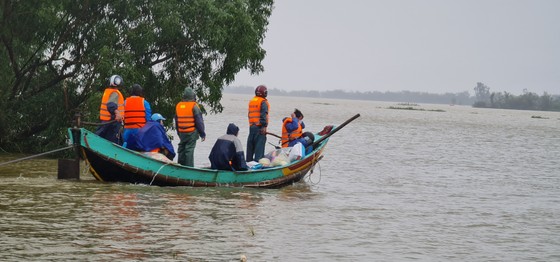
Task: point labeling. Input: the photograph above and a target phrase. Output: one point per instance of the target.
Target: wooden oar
(333, 131)
(268, 133)
(272, 134)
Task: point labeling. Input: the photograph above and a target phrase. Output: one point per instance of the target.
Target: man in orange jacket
(111, 110)
(137, 112)
(258, 122)
(190, 126)
(112, 94)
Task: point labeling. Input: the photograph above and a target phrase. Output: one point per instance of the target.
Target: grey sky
(435, 46)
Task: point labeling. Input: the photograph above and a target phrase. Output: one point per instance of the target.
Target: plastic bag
(278, 157)
(296, 153)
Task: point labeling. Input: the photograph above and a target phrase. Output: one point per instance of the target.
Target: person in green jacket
(190, 126)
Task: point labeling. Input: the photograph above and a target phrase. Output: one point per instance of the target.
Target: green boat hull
(110, 162)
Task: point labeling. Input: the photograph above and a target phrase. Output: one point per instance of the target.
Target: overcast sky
(434, 46)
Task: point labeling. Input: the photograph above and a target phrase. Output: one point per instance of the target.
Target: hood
(188, 94)
(137, 90)
(232, 129)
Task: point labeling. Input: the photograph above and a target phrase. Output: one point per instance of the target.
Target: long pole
(38, 155)
(334, 131)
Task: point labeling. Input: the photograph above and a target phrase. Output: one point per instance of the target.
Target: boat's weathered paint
(113, 163)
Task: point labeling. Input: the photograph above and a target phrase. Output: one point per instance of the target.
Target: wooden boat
(113, 163)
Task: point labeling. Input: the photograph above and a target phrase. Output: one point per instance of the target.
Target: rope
(86, 168)
(314, 163)
(320, 176)
(99, 124)
(154, 178)
(38, 155)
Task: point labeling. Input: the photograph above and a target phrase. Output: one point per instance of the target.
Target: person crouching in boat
(227, 153)
(292, 128)
(152, 137)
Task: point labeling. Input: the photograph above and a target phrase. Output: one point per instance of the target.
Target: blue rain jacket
(149, 137)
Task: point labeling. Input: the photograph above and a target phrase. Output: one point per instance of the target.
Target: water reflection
(155, 221)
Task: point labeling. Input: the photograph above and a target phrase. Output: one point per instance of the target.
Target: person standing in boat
(258, 122)
(292, 128)
(137, 112)
(111, 118)
(227, 153)
(152, 137)
(190, 126)
(112, 94)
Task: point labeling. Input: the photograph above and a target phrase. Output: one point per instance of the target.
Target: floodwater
(464, 184)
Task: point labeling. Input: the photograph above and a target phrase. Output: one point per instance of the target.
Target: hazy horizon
(432, 46)
(471, 92)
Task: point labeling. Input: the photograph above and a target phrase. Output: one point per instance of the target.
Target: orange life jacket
(104, 114)
(289, 136)
(185, 116)
(134, 112)
(255, 110)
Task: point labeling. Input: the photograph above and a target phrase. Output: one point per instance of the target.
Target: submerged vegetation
(418, 109)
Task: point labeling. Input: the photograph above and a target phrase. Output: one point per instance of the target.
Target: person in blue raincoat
(152, 137)
(227, 152)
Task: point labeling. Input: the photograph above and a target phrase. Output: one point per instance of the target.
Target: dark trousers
(255, 144)
(185, 151)
(111, 131)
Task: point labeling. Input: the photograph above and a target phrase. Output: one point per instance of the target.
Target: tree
(56, 54)
(545, 102)
(482, 93)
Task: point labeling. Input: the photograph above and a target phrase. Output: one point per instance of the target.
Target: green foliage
(526, 101)
(57, 54)
(482, 93)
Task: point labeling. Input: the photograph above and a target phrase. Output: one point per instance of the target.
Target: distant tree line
(482, 98)
(526, 101)
(462, 98)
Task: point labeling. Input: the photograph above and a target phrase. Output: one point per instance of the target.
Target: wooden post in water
(68, 169)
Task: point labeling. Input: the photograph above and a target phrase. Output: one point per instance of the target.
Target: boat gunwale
(308, 163)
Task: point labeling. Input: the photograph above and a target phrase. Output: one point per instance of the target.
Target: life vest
(289, 136)
(185, 116)
(255, 110)
(134, 112)
(104, 114)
